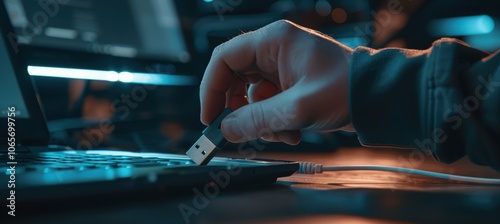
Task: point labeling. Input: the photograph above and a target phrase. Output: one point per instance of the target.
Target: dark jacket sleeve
(444, 100)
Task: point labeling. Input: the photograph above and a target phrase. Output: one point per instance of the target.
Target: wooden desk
(376, 196)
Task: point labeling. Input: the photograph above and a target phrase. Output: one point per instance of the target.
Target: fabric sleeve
(444, 100)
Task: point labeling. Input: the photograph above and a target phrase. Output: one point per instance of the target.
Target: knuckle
(281, 28)
(281, 32)
(283, 24)
(218, 50)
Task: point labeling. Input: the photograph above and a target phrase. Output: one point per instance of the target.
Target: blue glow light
(125, 77)
(113, 76)
(73, 73)
(486, 42)
(208, 1)
(462, 26)
(353, 42)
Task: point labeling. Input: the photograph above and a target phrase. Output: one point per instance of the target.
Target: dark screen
(123, 28)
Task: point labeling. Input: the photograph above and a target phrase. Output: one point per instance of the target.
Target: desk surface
(334, 197)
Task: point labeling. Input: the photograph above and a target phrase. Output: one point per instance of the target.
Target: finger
(255, 120)
(288, 137)
(251, 53)
(262, 90)
(236, 96)
(219, 74)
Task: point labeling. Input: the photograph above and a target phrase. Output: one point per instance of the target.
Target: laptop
(34, 171)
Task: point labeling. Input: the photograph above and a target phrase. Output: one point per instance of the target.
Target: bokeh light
(339, 15)
(323, 7)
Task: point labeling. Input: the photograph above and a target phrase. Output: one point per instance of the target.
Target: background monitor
(122, 29)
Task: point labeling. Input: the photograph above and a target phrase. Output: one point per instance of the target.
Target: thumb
(274, 119)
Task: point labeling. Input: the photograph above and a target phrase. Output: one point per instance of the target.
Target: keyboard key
(141, 164)
(61, 168)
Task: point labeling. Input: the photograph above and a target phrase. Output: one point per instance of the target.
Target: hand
(298, 81)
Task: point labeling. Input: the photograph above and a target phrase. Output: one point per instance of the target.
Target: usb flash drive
(210, 141)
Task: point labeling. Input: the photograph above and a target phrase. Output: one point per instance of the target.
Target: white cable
(312, 168)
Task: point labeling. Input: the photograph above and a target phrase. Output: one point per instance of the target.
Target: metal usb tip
(210, 141)
(202, 151)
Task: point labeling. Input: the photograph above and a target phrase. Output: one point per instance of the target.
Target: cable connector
(310, 168)
(210, 142)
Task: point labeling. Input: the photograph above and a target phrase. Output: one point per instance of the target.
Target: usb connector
(210, 142)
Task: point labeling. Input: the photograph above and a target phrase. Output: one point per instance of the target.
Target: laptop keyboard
(56, 161)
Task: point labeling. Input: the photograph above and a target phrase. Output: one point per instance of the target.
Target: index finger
(237, 55)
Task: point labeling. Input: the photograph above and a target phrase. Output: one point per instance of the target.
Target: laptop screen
(10, 86)
(16, 90)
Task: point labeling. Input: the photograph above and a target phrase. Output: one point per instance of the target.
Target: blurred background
(125, 73)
